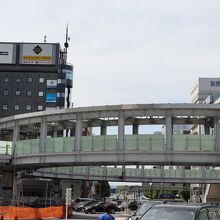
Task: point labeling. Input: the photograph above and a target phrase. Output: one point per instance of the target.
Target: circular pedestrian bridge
(65, 137)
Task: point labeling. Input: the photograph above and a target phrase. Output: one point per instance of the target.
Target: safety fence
(141, 142)
(11, 212)
(209, 173)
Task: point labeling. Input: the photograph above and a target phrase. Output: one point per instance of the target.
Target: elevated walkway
(35, 142)
(179, 175)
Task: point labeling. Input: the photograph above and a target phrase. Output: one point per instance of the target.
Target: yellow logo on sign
(37, 58)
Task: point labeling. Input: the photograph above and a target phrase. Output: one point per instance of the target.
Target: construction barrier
(27, 213)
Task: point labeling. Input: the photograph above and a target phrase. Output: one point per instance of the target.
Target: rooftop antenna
(45, 38)
(66, 45)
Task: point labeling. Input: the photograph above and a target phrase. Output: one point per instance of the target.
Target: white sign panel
(6, 53)
(209, 84)
(37, 54)
(51, 84)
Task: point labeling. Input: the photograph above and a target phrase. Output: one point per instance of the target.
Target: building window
(41, 80)
(5, 92)
(60, 94)
(40, 93)
(29, 79)
(6, 79)
(40, 107)
(61, 81)
(18, 80)
(29, 93)
(17, 107)
(17, 92)
(28, 107)
(5, 107)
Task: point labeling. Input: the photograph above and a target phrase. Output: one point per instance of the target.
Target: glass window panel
(193, 142)
(157, 141)
(68, 144)
(99, 143)
(29, 93)
(41, 80)
(130, 142)
(110, 142)
(17, 107)
(6, 92)
(179, 142)
(144, 141)
(86, 143)
(207, 142)
(29, 79)
(49, 145)
(17, 92)
(58, 144)
(5, 107)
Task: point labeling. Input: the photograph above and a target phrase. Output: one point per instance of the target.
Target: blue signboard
(51, 97)
(167, 196)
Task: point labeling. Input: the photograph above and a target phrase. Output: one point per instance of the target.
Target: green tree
(102, 189)
(155, 193)
(185, 194)
(150, 193)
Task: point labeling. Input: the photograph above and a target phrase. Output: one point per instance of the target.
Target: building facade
(34, 77)
(207, 90)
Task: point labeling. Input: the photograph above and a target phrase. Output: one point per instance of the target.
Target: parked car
(83, 200)
(41, 203)
(84, 209)
(123, 205)
(145, 206)
(133, 205)
(183, 211)
(99, 207)
(80, 206)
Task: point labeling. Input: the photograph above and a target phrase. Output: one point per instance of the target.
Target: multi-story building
(33, 77)
(207, 90)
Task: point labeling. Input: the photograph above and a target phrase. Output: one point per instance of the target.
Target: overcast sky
(124, 51)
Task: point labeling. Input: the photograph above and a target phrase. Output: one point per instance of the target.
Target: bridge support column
(121, 131)
(103, 129)
(6, 187)
(54, 132)
(15, 137)
(105, 172)
(142, 173)
(162, 173)
(169, 132)
(203, 172)
(135, 127)
(207, 129)
(135, 132)
(182, 172)
(217, 133)
(78, 132)
(123, 174)
(43, 135)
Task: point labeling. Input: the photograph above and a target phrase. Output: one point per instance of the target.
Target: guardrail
(142, 143)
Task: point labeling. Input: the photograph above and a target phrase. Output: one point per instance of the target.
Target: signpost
(68, 199)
